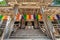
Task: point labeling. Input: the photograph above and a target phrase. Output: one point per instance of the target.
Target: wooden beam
(32, 7)
(52, 10)
(6, 7)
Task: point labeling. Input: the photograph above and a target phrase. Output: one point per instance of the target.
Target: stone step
(28, 39)
(28, 34)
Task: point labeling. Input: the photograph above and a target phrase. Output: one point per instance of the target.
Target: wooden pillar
(51, 28)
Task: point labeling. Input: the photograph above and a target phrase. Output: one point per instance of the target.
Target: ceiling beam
(6, 7)
(32, 7)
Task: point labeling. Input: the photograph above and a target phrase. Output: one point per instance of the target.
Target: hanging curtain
(18, 17)
(39, 17)
(58, 16)
(1, 16)
(55, 17)
(5, 18)
(27, 18)
(51, 18)
(32, 17)
(24, 16)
